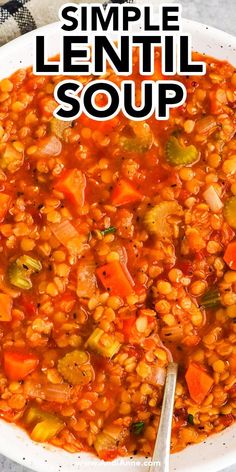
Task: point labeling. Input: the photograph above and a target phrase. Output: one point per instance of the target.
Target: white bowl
(218, 451)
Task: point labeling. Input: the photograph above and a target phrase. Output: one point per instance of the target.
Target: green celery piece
(18, 277)
(229, 211)
(211, 299)
(94, 344)
(176, 155)
(29, 263)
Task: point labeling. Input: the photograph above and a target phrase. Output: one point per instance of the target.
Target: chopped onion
(33, 389)
(50, 146)
(206, 125)
(158, 375)
(212, 199)
(121, 251)
(59, 393)
(64, 231)
(86, 279)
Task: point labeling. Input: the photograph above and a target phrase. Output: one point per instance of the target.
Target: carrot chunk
(125, 193)
(72, 184)
(5, 202)
(216, 107)
(199, 382)
(18, 365)
(5, 307)
(230, 255)
(232, 363)
(128, 324)
(116, 279)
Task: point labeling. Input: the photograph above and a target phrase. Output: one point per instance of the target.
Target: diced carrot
(128, 324)
(5, 307)
(215, 106)
(5, 202)
(18, 365)
(108, 455)
(227, 420)
(230, 255)
(28, 305)
(199, 382)
(139, 288)
(116, 279)
(232, 391)
(125, 193)
(179, 423)
(232, 363)
(195, 240)
(72, 184)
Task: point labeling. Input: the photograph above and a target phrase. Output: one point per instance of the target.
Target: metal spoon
(161, 454)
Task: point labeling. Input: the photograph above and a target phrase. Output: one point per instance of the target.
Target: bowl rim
(186, 23)
(16, 443)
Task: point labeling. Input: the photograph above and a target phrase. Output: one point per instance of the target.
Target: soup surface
(117, 254)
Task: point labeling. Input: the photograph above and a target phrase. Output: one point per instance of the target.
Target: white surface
(219, 450)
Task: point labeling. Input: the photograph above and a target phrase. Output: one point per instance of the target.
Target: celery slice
(109, 439)
(47, 429)
(28, 262)
(176, 155)
(19, 277)
(140, 139)
(109, 350)
(46, 425)
(34, 414)
(156, 219)
(104, 443)
(230, 211)
(75, 368)
(19, 272)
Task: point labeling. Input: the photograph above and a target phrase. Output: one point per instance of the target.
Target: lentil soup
(118, 253)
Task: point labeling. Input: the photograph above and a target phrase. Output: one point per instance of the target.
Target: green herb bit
(137, 428)
(109, 230)
(211, 299)
(190, 419)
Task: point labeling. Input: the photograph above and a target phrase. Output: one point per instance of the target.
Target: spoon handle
(161, 454)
